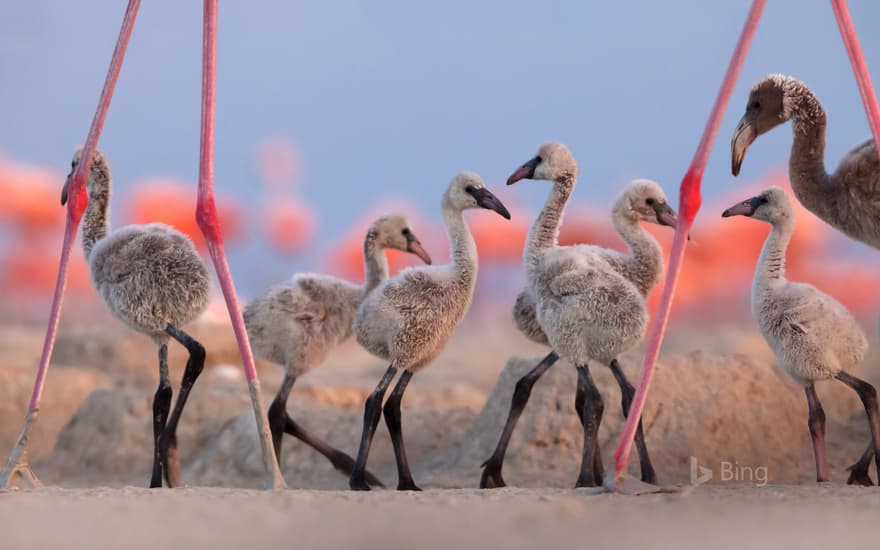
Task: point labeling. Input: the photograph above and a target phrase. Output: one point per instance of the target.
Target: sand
(725, 408)
(717, 517)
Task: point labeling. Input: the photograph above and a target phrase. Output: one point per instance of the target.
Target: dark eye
(650, 201)
(755, 105)
(406, 232)
(469, 189)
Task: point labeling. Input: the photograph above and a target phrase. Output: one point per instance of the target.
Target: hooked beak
(745, 134)
(744, 208)
(65, 189)
(665, 214)
(526, 171)
(413, 246)
(485, 199)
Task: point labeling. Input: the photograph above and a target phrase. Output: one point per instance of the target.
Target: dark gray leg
(280, 423)
(392, 420)
(491, 477)
(372, 412)
(868, 395)
(168, 437)
(627, 391)
(817, 432)
(580, 401)
(277, 414)
(161, 406)
(858, 472)
(589, 405)
(340, 460)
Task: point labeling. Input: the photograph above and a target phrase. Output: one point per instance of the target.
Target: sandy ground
(725, 407)
(771, 517)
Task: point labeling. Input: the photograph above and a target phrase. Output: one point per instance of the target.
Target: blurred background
(332, 113)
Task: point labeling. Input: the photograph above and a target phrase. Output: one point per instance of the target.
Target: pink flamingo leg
(77, 199)
(863, 77)
(206, 216)
(689, 204)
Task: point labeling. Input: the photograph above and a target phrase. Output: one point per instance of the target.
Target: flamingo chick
(409, 318)
(152, 279)
(814, 337)
(641, 200)
(297, 323)
(589, 301)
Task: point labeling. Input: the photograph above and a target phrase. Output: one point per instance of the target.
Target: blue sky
(387, 100)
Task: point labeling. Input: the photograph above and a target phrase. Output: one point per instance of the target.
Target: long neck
(770, 271)
(807, 161)
(644, 264)
(375, 261)
(544, 233)
(96, 220)
(462, 245)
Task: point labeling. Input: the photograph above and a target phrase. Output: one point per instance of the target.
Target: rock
(65, 390)
(110, 438)
(232, 457)
(732, 415)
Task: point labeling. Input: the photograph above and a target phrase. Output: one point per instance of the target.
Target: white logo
(730, 471)
(699, 474)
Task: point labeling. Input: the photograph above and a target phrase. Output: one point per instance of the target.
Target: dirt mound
(729, 413)
(66, 389)
(232, 457)
(132, 358)
(732, 414)
(109, 440)
(340, 396)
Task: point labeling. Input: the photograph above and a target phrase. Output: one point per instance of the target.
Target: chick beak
(413, 246)
(744, 208)
(65, 189)
(526, 171)
(665, 215)
(485, 199)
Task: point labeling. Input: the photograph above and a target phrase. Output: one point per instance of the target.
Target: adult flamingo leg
(77, 200)
(206, 217)
(860, 69)
(689, 203)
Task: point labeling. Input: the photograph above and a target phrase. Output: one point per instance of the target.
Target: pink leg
(863, 77)
(206, 216)
(18, 463)
(689, 203)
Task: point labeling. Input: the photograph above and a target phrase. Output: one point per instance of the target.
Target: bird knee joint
(869, 393)
(162, 396)
(816, 421)
(373, 400)
(522, 391)
(276, 411)
(197, 352)
(391, 408)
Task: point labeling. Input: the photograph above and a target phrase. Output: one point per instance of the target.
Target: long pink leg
(689, 203)
(863, 77)
(206, 216)
(77, 201)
